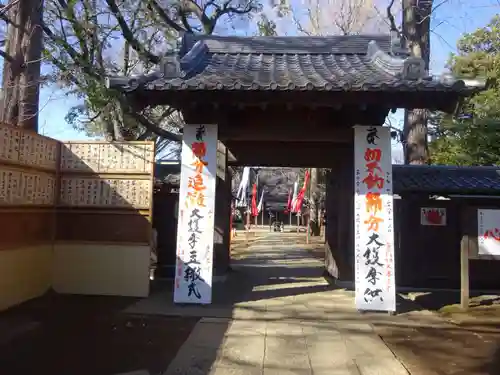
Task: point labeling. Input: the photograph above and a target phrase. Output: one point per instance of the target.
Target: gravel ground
(453, 350)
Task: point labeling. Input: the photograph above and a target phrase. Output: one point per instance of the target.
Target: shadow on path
(276, 313)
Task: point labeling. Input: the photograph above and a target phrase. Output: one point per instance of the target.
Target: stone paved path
(282, 317)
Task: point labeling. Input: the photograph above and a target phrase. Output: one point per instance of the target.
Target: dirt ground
(453, 341)
(484, 308)
(82, 335)
(452, 350)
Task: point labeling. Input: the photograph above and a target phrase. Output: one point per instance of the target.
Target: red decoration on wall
(433, 216)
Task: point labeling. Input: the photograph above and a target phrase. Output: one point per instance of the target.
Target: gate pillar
(339, 244)
(222, 213)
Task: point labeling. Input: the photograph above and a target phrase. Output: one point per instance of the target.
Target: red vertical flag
(254, 211)
(289, 204)
(300, 196)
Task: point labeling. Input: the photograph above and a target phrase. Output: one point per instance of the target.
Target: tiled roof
(446, 179)
(336, 63)
(168, 173)
(339, 44)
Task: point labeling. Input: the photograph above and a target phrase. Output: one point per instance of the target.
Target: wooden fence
(106, 192)
(65, 210)
(28, 175)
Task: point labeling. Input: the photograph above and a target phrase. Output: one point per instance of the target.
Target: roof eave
(477, 84)
(444, 192)
(439, 100)
(466, 86)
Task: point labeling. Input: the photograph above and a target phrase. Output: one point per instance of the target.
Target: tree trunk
(21, 76)
(314, 227)
(416, 29)
(12, 68)
(32, 45)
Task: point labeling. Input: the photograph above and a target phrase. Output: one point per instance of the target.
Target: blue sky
(450, 20)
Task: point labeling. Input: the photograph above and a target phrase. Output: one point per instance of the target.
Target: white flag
(295, 192)
(261, 201)
(241, 196)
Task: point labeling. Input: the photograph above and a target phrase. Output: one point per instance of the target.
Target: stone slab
(287, 321)
(380, 366)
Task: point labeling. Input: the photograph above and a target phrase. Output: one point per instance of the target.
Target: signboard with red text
(488, 232)
(373, 215)
(195, 228)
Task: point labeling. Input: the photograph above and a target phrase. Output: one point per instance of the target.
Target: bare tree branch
(129, 36)
(154, 128)
(154, 7)
(6, 56)
(330, 17)
(5, 8)
(390, 16)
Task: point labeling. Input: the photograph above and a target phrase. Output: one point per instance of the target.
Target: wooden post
(323, 225)
(307, 229)
(231, 227)
(308, 220)
(247, 233)
(464, 272)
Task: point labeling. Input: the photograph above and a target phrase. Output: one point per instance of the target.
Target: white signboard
(373, 215)
(488, 232)
(195, 230)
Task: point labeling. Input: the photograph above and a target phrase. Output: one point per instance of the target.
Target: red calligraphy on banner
(196, 184)
(198, 165)
(196, 198)
(373, 222)
(389, 262)
(373, 180)
(199, 149)
(373, 202)
(493, 234)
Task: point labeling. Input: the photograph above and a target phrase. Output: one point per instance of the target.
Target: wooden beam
(183, 99)
(286, 154)
(263, 132)
(284, 116)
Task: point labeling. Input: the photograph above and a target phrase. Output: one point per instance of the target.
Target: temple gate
(291, 101)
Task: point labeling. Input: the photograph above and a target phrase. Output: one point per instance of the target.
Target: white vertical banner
(195, 229)
(373, 215)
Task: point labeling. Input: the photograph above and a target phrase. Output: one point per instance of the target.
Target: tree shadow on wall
(101, 246)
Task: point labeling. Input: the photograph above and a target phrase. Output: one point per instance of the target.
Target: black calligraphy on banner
(371, 294)
(373, 275)
(372, 135)
(192, 269)
(200, 133)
